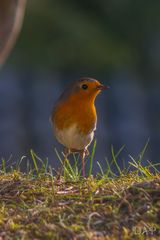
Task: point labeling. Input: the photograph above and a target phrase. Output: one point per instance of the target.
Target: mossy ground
(41, 207)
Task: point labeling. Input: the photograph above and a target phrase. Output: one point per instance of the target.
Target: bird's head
(88, 88)
(84, 89)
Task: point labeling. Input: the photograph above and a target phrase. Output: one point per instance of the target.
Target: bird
(74, 117)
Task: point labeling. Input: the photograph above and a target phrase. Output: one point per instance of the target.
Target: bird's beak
(102, 87)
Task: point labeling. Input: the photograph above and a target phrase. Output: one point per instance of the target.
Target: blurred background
(116, 42)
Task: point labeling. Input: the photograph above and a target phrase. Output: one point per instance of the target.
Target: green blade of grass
(92, 156)
(141, 155)
(3, 165)
(59, 158)
(117, 154)
(109, 171)
(33, 155)
(115, 160)
(154, 166)
(100, 167)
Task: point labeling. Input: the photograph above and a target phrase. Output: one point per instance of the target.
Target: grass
(35, 205)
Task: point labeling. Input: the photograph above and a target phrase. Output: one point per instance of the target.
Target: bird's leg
(84, 153)
(66, 154)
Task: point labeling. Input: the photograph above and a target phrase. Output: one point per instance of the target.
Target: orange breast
(75, 111)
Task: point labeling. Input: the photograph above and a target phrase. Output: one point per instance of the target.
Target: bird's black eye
(84, 86)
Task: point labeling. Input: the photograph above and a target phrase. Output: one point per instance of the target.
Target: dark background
(116, 42)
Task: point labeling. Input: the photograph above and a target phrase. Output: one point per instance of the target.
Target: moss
(126, 207)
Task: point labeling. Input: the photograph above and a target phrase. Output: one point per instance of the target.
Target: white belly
(72, 138)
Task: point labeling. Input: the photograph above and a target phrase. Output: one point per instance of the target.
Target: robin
(74, 116)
